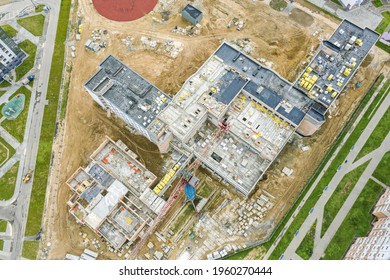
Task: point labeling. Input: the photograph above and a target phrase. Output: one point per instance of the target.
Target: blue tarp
(190, 192)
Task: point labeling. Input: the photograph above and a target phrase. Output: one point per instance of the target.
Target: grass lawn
(183, 217)
(377, 3)
(305, 249)
(30, 249)
(37, 202)
(382, 170)
(7, 182)
(205, 191)
(337, 2)
(384, 23)
(4, 84)
(28, 63)
(6, 151)
(339, 196)
(3, 228)
(9, 30)
(2, 92)
(278, 5)
(383, 46)
(377, 136)
(356, 224)
(313, 7)
(317, 192)
(39, 8)
(17, 127)
(33, 24)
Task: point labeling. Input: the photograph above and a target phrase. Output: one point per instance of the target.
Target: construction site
(208, 137)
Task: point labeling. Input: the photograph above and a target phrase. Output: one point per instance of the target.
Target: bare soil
(275, 37)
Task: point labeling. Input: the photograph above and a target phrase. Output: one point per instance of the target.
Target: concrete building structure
(263, 109)
(192, 14)
(331, 69)
(376, 246)
(112, 195)
(10, 54)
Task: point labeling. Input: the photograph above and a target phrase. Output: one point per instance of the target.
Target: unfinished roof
(106, 195)
(266, 85)
(126, 90)
(192, 11)
(335, 62)
(230, 157)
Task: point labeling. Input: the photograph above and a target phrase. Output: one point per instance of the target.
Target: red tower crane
(224, 126)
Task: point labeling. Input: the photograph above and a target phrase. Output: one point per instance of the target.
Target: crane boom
(192, 168)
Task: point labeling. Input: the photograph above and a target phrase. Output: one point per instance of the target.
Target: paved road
(318, 208)
(322, 244)
(22, 195)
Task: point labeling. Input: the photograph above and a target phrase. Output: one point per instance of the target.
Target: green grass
(183, 218)
(17, 127)
(239, 256)
(382, 170)
(2, 92)
(205, 191)
(3, 228)
(356, 223)
(384, 23)
(11, 32)
(383, 46)
(339, 196)
(305, 249)
(65, 92)
(337, 2)
(3, 225)
(377, 3)
(28, 63)
(311, 6)
(30, 249)
(7, 183)
(34, 220)
(39, 8)
(377, 136)
(317, 192)
(278, 5)
(6, 151)
(33, 24)
(4, 84)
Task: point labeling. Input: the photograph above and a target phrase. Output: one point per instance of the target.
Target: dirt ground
(275, 36)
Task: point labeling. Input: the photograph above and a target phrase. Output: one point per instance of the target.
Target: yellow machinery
(161, 185)
(27, 177)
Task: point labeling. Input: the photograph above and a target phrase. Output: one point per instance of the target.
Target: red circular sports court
(124, 10)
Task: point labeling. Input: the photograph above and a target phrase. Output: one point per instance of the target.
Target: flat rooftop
(126, 90)
(335, 62)
(266, 85)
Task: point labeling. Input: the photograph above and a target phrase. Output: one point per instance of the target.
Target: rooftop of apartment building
(108, 194)
(335, 62)
(9, 42)
(128, 91)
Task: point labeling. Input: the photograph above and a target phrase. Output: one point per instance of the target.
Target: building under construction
(112, 195)
(261, 109)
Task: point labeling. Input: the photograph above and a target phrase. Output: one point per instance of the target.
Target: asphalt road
(20, 202)
(320, 244)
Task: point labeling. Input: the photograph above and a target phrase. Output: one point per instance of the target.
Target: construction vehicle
(27, 80)
(186, 176)
(27, 177)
